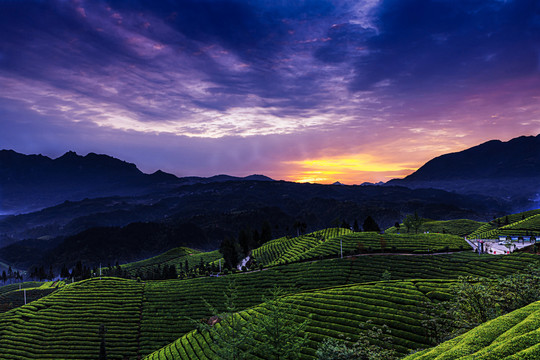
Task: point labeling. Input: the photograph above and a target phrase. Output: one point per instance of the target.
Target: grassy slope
(491, 231)
(176, 257)
(308, 247)
(12, 296)
(460, 227)
(513, 336)
(143, 317)
(335, 313)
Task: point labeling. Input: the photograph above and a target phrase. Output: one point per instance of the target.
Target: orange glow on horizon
(349, 169)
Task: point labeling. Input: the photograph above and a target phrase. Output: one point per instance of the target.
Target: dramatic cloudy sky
(298, 90)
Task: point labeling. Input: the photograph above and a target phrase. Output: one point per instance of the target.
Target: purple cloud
(204, 87)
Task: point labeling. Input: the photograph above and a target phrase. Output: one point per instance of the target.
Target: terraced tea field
(143, 317)
(280, 251)
(512, 336)
(12, 296)
(460, 227)
(336, 312)
(491, 230)
(176, 257)
(283, 251)
(527, 226)
(64, 325)
(12, 287)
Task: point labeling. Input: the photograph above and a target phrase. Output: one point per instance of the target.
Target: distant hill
(505, 169)
(33, 182)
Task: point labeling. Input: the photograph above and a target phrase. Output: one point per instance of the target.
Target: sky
(317, 91)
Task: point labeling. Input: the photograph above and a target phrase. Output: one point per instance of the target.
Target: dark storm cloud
(452, 43)
(280, 80)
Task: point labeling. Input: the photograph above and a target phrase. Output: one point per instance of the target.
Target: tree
(365, 348)
(300, 227)
(280, 335)
(356, 227)
(413, 222)
(266, 233)
(245, 241)
(479, 300)
(231, 334)
(102, 349)
(230, 249)
(371, 225)
(397, 226)
(4, 276)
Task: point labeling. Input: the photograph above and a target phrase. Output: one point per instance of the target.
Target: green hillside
(337, 312)
(12, 287)
(176, 257)
(460, 227)
(524, 223)
(284, 250)
(513, 336)
(143, 317)
(12, 296)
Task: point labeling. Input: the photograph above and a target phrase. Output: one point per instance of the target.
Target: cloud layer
(199, 87)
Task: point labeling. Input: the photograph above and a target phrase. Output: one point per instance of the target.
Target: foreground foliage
(512, 336)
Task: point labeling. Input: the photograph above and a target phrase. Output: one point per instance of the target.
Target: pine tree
(232, 335)
(266, 233)
(280, 335)
(230, 249)
(244, 240)
(371, 225)
(356, 227)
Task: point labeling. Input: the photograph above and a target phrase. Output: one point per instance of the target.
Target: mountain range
(509, 170)
(33, 182)
(102, 209)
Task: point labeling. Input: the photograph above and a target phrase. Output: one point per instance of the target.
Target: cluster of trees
(276, 334)
(279, 335)
(11, 276)
(477, 300)
(411, 222)
(366, 348)
(369, 225)
(236, 249)
(41, 274)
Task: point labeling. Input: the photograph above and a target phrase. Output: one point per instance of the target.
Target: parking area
(498, 247)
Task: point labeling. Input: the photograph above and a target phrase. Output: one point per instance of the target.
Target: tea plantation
(512, 336)
(177, 257)
(335, 313)
(283, 251)
(142, 317)
(525, 223)
(460, 227)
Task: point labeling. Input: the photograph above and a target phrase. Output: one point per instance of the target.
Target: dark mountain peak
(510, 168)
(519, 157)
(258, 177)
(31, 182)
(70, 155)
(163, 176)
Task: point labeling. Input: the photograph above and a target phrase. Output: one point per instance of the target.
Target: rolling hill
(511, 336)
(142, 317)
(505, 169)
